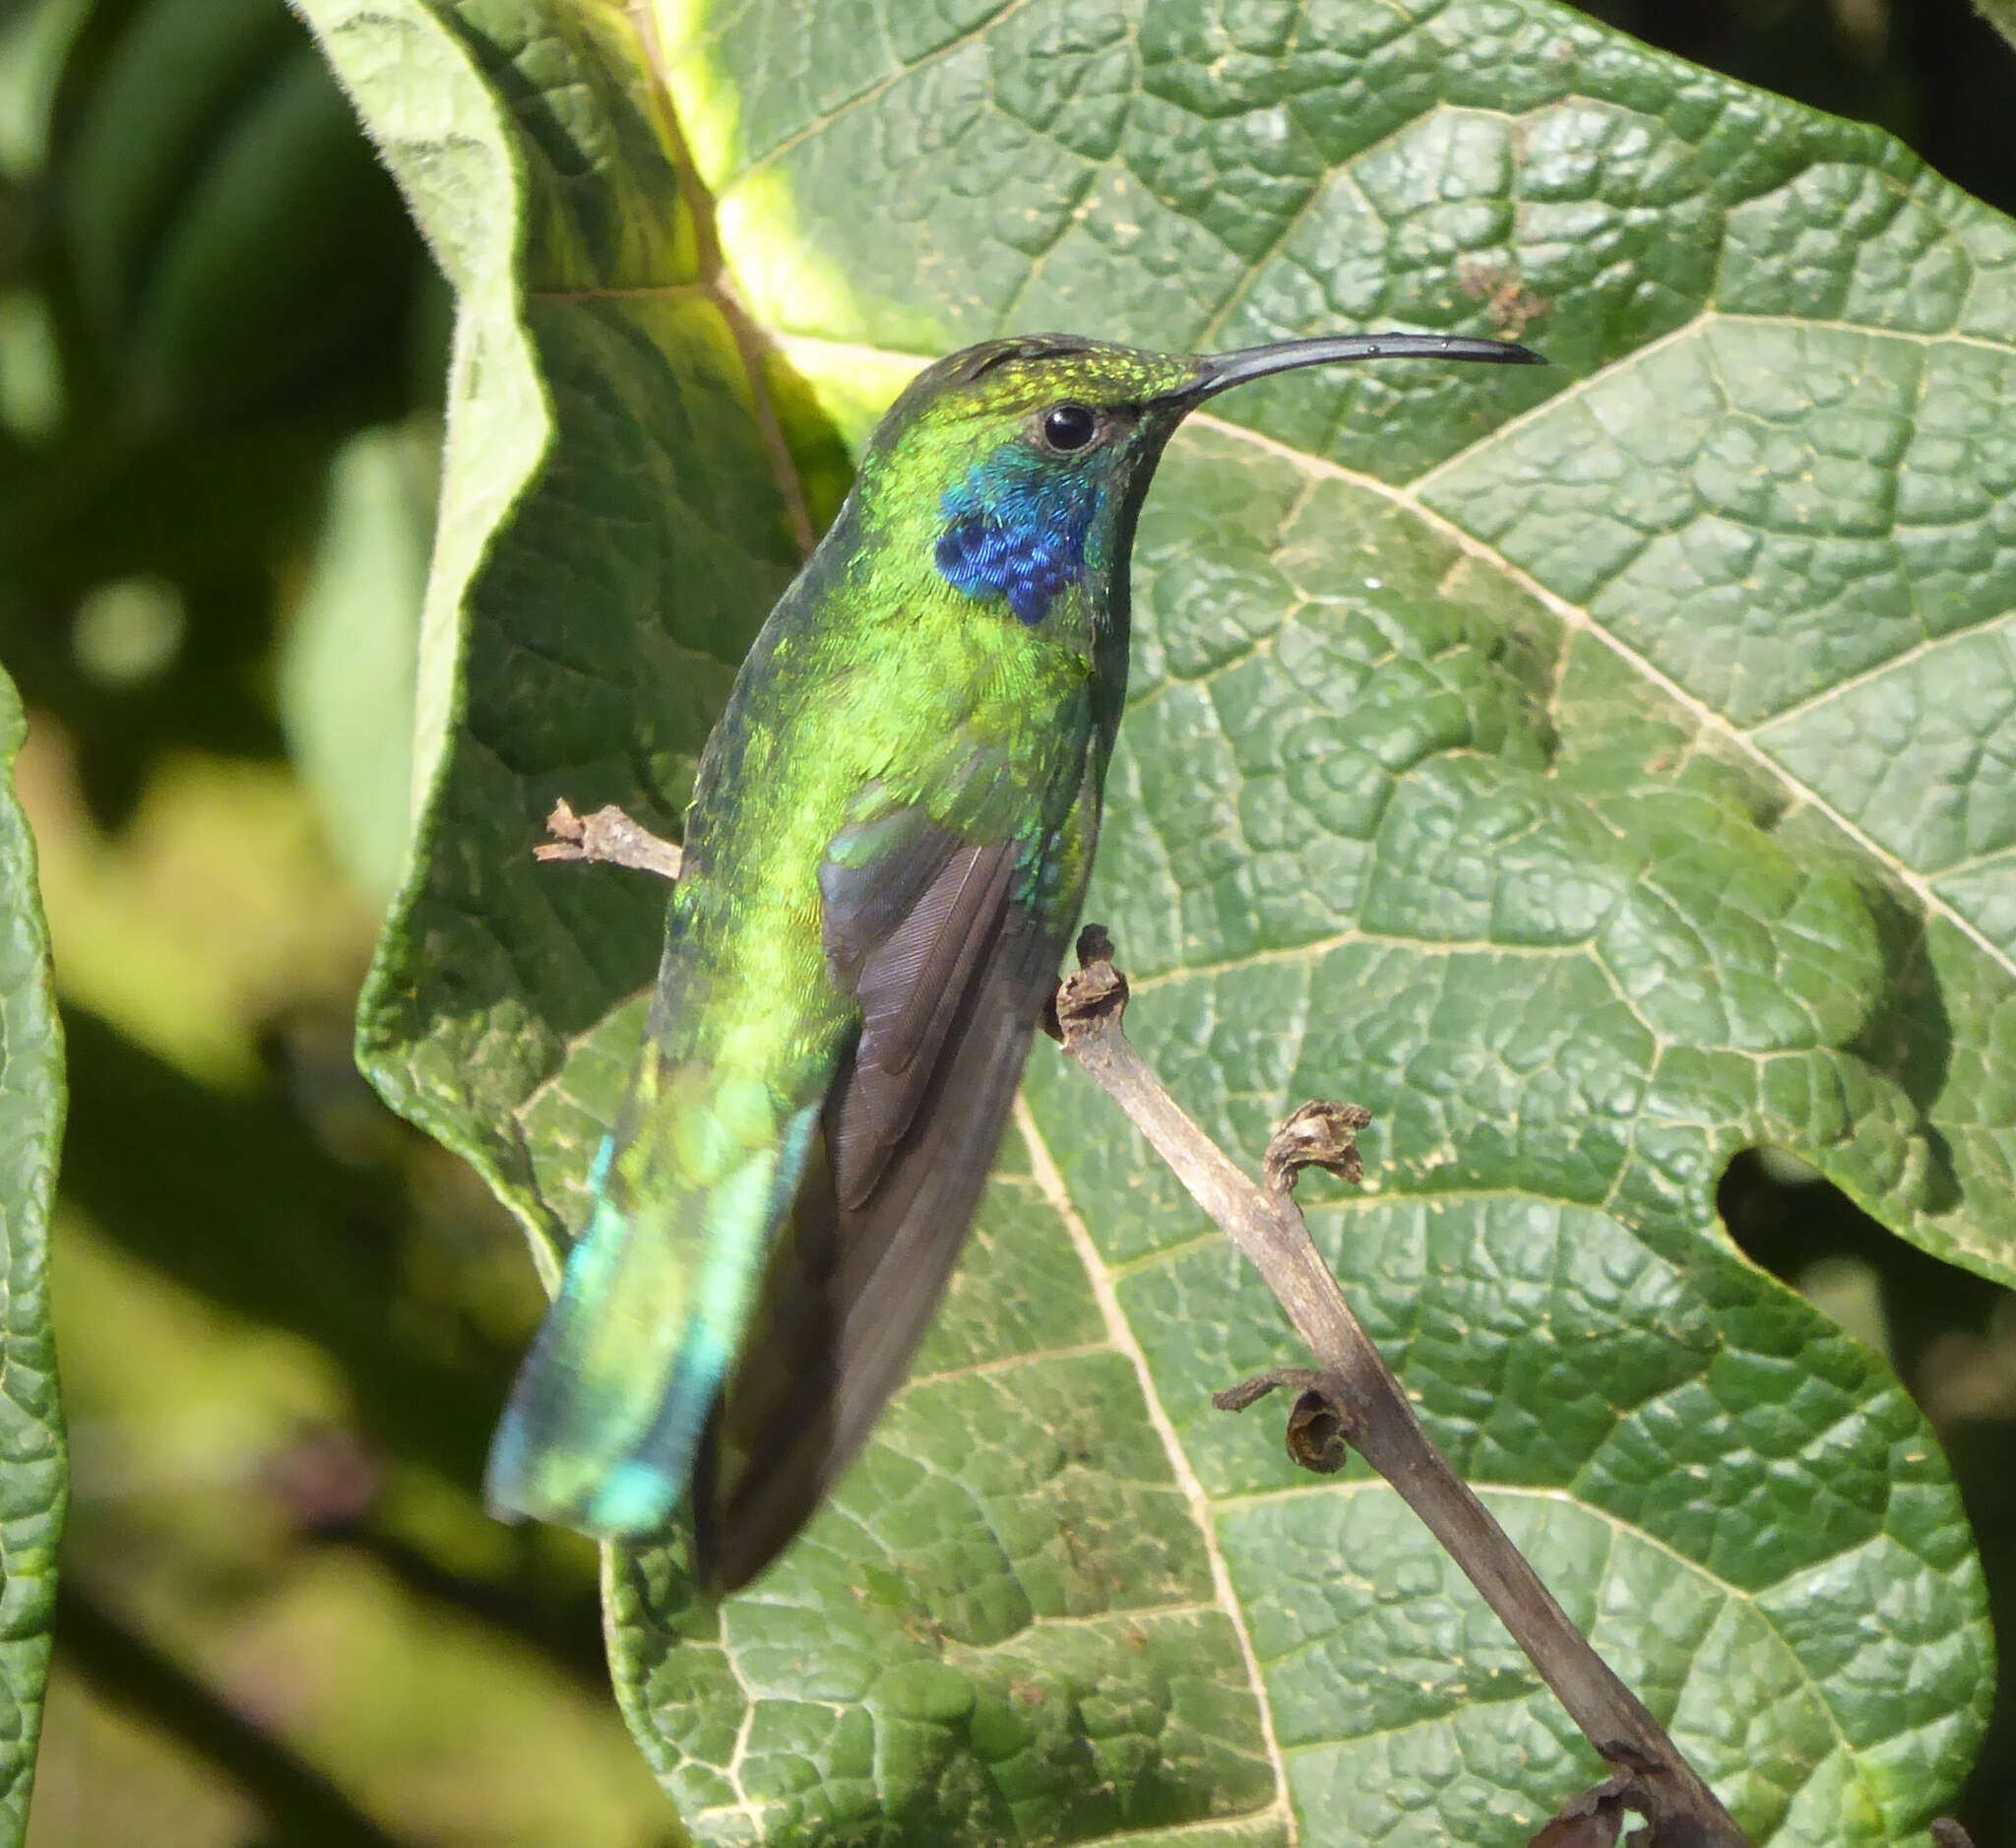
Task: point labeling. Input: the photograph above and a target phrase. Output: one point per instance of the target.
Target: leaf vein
(1122, 1336)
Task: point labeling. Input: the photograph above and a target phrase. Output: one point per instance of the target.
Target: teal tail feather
(609, 1410)
(609, 1454)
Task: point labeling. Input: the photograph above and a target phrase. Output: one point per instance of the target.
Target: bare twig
(610, 835)
(1353, 1398)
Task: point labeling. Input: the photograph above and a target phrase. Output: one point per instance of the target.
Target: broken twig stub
(610, 836)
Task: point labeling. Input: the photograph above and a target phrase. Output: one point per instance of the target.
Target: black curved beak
(1226, 370)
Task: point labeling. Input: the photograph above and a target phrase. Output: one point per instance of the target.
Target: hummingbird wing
(950, 946)
(768, 1241)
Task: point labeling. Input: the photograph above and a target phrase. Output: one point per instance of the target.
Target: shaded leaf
(210, 281)
(2001, 15)
(35, 1478)
(649, 536)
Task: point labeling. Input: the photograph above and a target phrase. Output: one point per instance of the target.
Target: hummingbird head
(1036, 451)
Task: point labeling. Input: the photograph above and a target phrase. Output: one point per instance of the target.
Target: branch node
(1321, 1135)
(1321, 1428)
(1321, 1424)
(608, 835)
(1638, 1782)
(1592, 1819)
(1094, 993)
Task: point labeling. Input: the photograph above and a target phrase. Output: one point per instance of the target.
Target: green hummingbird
(888, 843)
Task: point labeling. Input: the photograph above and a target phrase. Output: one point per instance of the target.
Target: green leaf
(604, 417)
(346, 663)
(1594, 771)
(33, 1482)
(2000, 14)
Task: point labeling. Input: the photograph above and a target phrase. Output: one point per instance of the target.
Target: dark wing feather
(951, 986)
(911, 989)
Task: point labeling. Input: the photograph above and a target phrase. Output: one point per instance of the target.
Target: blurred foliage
(207, 281)
(285, 1319)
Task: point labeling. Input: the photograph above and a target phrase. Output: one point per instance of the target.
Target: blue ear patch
(1016, 527)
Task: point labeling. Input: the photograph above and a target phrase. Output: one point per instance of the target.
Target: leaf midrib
(1120, 1336)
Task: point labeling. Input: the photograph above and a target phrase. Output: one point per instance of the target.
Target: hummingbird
(889, 839)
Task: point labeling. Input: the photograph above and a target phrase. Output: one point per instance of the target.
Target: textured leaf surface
(1596, 772)
(603, 419)
(34, 1469)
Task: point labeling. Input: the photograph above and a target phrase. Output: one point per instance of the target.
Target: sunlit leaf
(1594, 771)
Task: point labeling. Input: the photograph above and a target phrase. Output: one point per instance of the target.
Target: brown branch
(610, 836)
(1355, 1399)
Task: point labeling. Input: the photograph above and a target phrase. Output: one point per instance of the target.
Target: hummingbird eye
(1068, 427)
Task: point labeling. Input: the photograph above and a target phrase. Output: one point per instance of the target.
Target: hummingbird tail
(611, 1407)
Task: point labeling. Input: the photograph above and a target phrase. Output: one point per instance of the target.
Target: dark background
(286, 1321)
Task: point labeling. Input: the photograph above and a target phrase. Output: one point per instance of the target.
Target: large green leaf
(1594, 771)
(34, 1468)
(603, 418)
